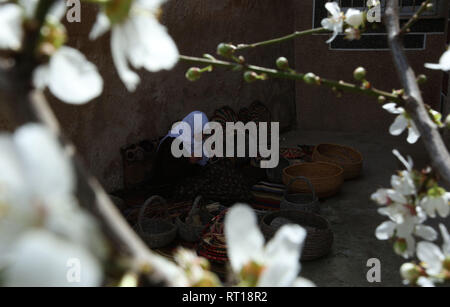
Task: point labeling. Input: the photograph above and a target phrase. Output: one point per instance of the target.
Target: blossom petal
(445, 239)
(426, 232)
(47, 168)
(156, 50)
(303, 283)
(413, 134)
(11, 33)
(425, 282)
(354, 17)
(431, 255)
(391, 107)
(73, 79)
(282, 257)
(244, 239)
(101, 26)
(407, 163)
(385, 230)
(399, 125)
(42, 259)
(119, 54)
(444, 62)
(333, 8)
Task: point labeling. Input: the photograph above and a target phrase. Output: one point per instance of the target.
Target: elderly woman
(172, 170)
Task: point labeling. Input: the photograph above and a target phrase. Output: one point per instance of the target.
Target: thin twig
(274, 73)
(407, 26)
(281, 39)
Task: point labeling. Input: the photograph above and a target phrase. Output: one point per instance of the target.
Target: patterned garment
(219, 181)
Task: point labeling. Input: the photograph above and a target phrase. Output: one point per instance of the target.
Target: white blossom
(37, 205)
(334, 23)
(402, 122)
(139, 40)
(436, 203)
(69, 76)
(432, 258)
(444, 62)
(278, 260)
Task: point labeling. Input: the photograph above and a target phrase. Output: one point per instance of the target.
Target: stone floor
(353, 217)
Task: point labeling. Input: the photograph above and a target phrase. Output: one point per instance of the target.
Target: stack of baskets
(305, 184)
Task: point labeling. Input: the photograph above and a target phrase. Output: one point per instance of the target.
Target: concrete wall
(118, 117)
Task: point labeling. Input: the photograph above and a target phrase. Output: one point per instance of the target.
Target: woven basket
(189, 232)
(156, 232)
(326, 178)
(300, 201)
(319, 239)
(348, 158)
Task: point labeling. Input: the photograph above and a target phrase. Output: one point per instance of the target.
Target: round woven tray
(319, 239)
(326, 178)
(346, 157)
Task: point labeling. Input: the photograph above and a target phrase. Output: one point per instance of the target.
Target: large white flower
(432, 256)
(139, 40)
(402, 122)
(69, 76)
(444, 62)
(275, 264)
(36, 194)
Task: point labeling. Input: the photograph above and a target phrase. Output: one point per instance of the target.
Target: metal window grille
(407, 7)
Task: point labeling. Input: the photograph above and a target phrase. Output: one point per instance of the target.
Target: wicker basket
(156, 232)
(300, 201)
(326, 178)
(348, 158)
(189, 232)
(319, 238)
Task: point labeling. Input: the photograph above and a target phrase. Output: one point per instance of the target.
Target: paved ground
(353, 216)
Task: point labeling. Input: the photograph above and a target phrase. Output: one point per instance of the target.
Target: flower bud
(250, 76)
(381, 99)
(282, 63)
(310, 78)
(225, 50)
(410, 272)
(193, 74)
(422, 79)
(359, 73)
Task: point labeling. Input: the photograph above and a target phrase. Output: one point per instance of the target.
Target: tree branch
(292, 75)
(414, 104)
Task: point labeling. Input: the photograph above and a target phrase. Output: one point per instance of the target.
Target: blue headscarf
(189, 119)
